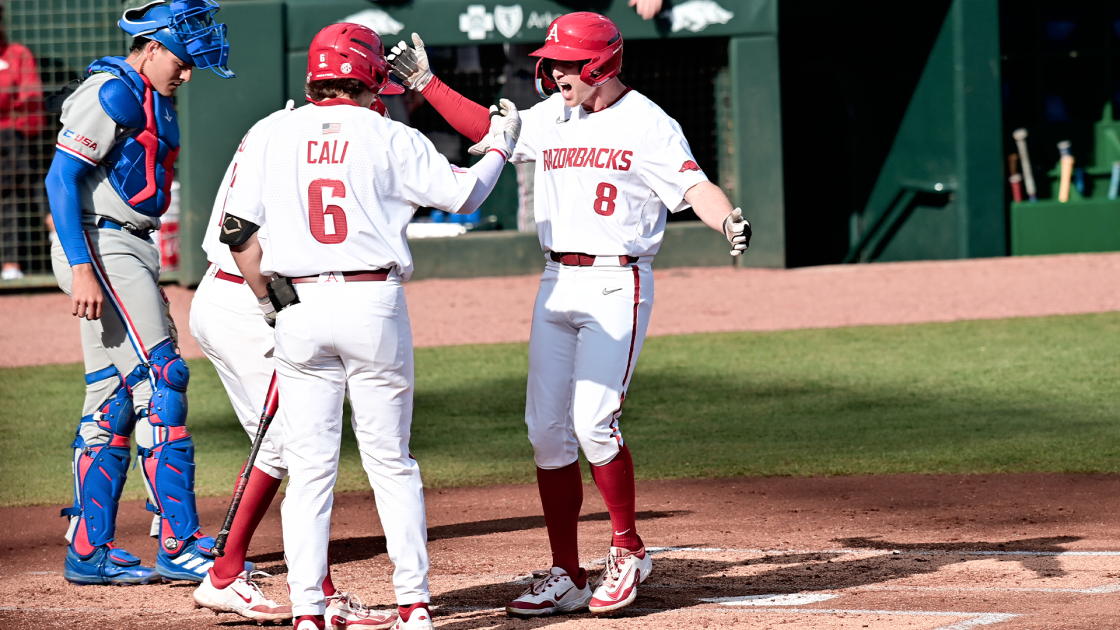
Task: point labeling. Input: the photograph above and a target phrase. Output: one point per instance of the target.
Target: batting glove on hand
(505, 128)
(411, 64)
(268, 309)
(738, 232)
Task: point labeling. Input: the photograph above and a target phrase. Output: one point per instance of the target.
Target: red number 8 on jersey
(318, 215)
(605, 195)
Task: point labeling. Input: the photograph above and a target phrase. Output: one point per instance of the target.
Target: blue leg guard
(99, 476)
(169, 472)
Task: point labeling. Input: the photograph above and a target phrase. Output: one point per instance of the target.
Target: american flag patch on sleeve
(331, 128)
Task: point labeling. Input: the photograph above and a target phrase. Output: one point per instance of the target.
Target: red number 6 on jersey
(318, 215)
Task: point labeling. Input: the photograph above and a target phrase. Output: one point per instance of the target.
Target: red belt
(586, 260)
(380, 275)
(221, 275)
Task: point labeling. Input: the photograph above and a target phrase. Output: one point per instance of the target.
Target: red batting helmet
(350, 51)
(578, 37)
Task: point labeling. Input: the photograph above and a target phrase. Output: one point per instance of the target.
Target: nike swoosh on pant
(610, 291)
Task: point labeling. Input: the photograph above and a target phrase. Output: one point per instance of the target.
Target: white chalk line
(975, 618)
(1104, 588)
(880, 552)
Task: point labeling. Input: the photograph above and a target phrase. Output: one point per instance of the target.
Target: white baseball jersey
(336, 185)
(605, 179)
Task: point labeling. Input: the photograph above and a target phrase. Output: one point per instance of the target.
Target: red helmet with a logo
(350, 51)
(582, 36)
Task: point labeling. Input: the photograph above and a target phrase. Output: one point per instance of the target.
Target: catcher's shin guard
(169, 465)
(100, 468)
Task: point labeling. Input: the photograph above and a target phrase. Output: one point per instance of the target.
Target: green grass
(970, 397)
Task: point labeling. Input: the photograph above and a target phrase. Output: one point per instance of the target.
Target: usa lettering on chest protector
(331, 151)
(574, 157)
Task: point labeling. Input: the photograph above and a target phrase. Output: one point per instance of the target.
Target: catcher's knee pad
(168, 406)
(99, 476)
(169, 476)
(116, 415)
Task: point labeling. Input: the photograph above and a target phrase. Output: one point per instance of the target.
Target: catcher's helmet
(350, 51)
(578, 37)
(186, 28)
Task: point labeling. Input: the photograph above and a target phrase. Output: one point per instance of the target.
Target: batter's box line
(974, 619)
(1105, 588)
(881, 552)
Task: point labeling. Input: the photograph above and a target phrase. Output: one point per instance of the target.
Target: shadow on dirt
(365, 547)
(681, 583)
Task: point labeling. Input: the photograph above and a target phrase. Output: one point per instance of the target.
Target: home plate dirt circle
(937, 552)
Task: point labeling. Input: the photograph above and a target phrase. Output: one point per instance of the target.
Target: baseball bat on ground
(1020, 136)
(271, 403)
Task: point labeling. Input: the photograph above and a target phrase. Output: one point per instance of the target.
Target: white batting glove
(268, 309)
(505, 128)
(738, 232)
(411, 63)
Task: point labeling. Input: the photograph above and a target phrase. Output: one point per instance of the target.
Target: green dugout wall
(269, 40)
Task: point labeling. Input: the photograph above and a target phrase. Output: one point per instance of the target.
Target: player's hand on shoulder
(410, 63)
(738, 232)
(505, 129)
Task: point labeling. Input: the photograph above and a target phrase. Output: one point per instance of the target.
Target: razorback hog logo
(689, 165)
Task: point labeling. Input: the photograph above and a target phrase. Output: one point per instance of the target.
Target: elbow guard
(235, 230)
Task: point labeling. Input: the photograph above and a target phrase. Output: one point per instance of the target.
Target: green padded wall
(215, 113)
(949, 142)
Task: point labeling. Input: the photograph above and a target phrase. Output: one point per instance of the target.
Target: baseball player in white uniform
(226, 321)
(609, 164)
(332, 187)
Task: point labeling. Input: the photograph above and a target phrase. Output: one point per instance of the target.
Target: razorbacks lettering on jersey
(217, 252)
(336, 184)
(604, 179)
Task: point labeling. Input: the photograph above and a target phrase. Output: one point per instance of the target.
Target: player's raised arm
(411, 64)
(714, 209)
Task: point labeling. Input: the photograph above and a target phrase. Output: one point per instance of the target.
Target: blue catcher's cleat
(107, 565)
(191, 562)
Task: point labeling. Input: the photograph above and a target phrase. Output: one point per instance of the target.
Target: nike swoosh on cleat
(608, 292)
(248, 600)
(561, 595)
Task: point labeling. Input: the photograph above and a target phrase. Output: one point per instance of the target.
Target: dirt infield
(38, 329)
(918, 552)
(921, 552)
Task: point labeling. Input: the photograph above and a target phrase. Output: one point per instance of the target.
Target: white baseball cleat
(242, 597)
(415, 617)
(554, 593)
(619, 585)
(310, 622)
(345, 610)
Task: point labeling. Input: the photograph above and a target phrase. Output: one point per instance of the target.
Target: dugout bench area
(848, 132)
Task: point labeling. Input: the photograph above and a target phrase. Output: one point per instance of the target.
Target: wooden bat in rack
(1020, 136)
(271, 404)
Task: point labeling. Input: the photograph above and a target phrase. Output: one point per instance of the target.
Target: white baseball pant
(230, 328)
(589, 324)
(352, 335)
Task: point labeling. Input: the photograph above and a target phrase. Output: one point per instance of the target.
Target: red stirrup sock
(328, 584)
(562, 497)
(259, 493)
(615, 481)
